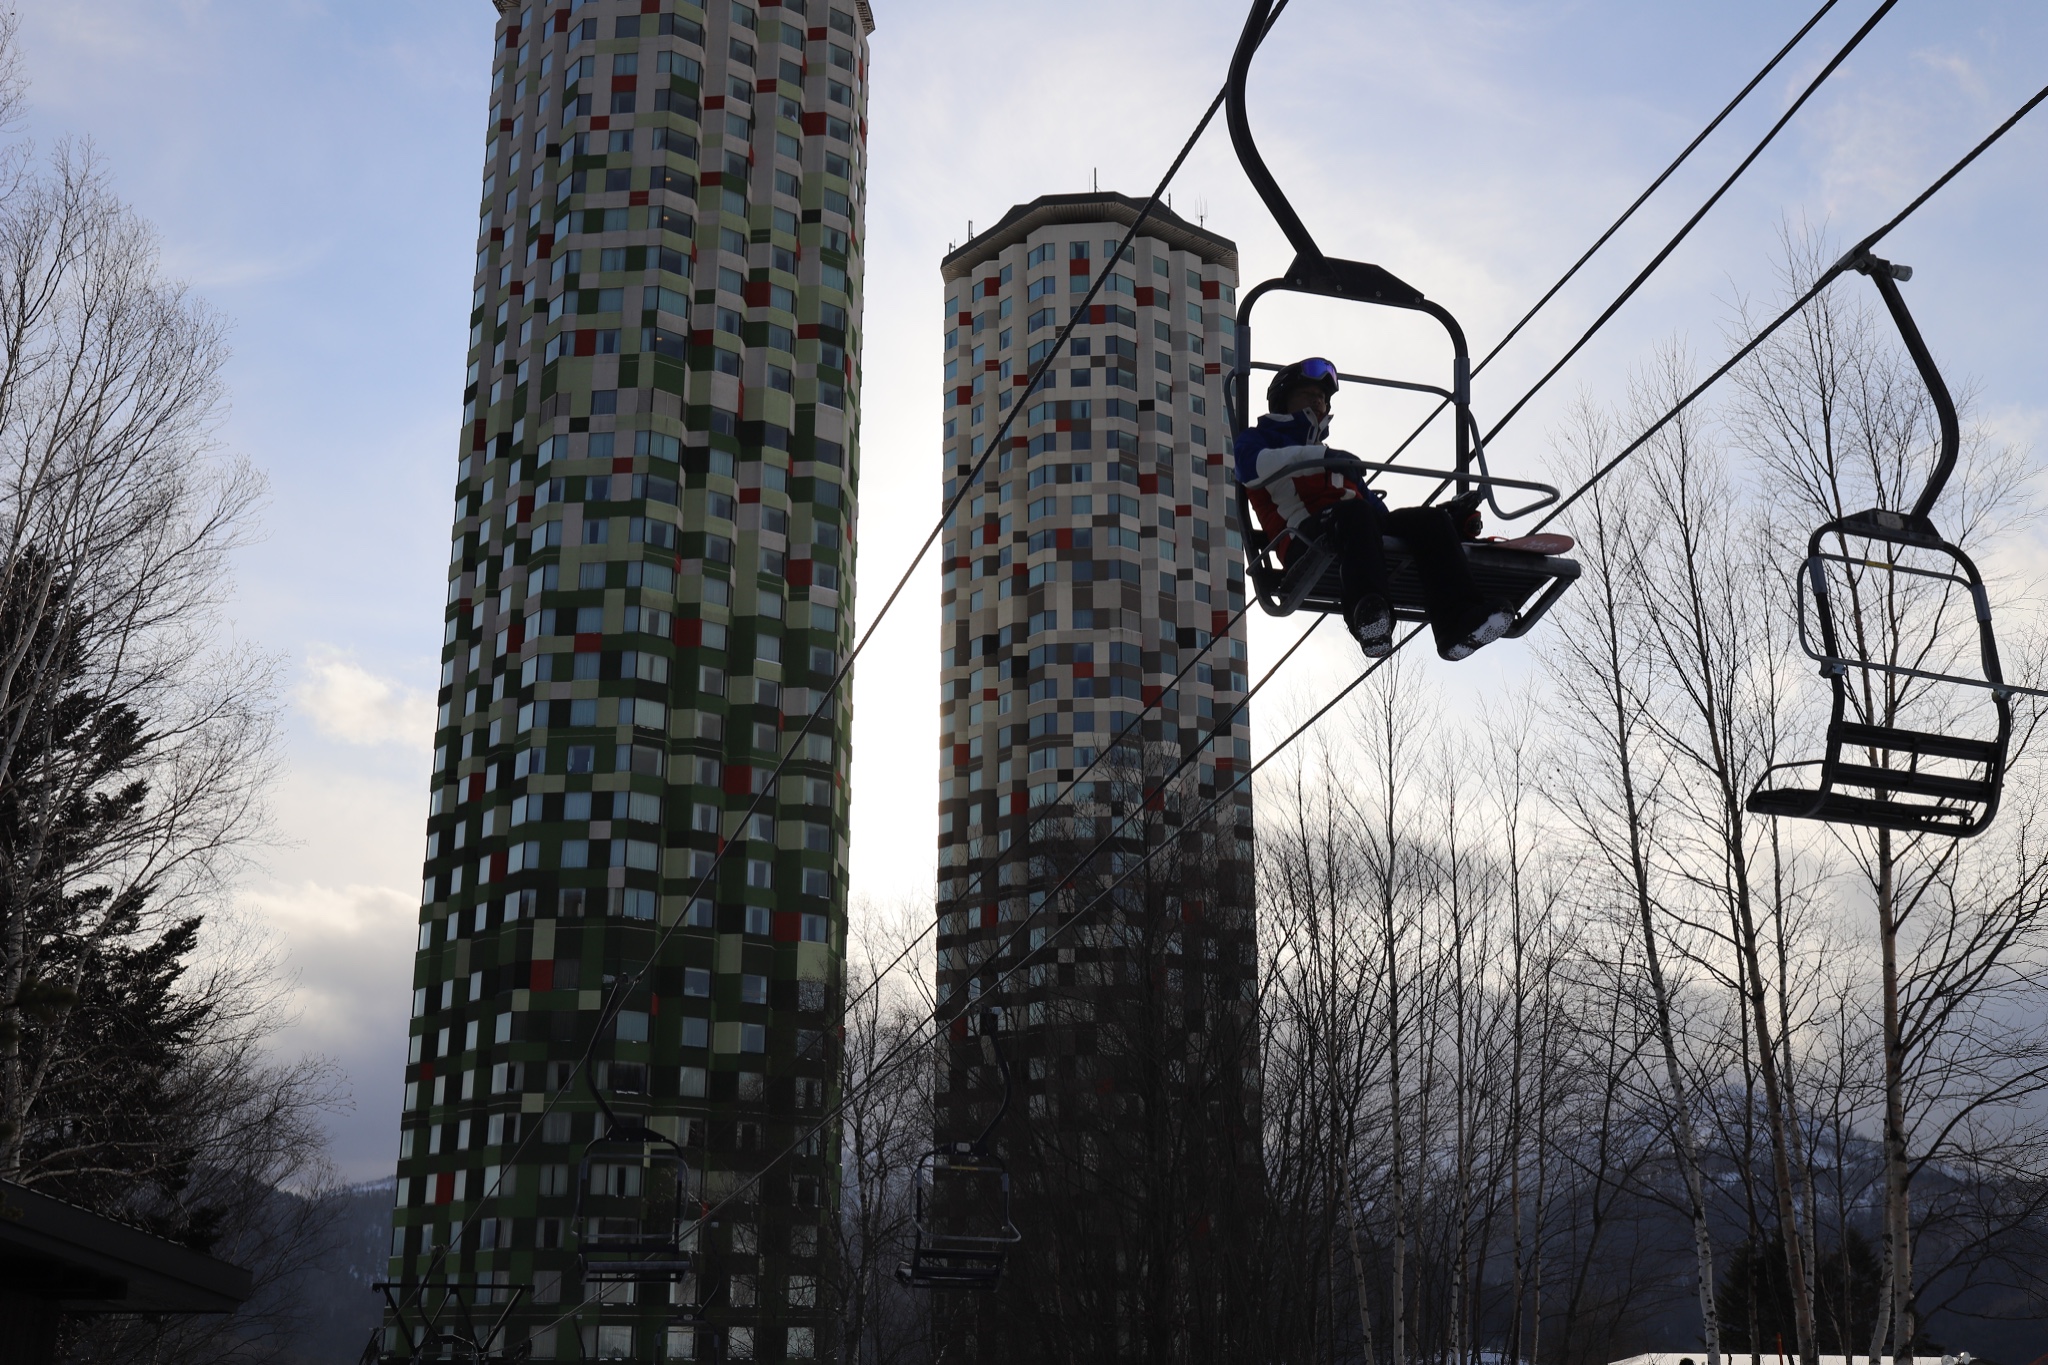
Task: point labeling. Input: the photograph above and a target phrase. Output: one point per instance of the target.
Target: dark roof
(1095, 207)
(86, 1263)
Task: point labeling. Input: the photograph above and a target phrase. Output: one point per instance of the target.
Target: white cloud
(349, 703)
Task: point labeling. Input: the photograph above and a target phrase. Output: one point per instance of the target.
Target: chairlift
(963, 1228)
(1874, 773)
(629, 1223)
(443, 1324)
(1291, 570)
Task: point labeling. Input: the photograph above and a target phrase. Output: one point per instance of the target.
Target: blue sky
(312, 167)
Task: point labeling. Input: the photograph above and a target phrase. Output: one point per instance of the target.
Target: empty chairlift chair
(963, 1229)
(1875, 772)
(629, 1219)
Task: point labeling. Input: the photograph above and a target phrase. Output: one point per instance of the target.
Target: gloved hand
(1464, 514)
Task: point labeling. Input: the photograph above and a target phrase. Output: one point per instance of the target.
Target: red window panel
(957, 1030)
(504, 125)
(788, 926)
(807, 329)
(622, 464)
(1016, 798)
(600, 122)
(561, 21)
(712, 178)
(497, 234)
(589, 644)
(1098, 313)
(816, 34)
(637, 197)
(814, 125)
(1219, 621)
(1079, 267)
(586, 341)
(1084, 670)
(650, 6)
(739, 780)
(1210, 290)
(798, 571)
(1063, 539)
(700, 336)
(518, 636)
(750, 495)
(959, 755)
(755, 293)
(965, 319)
(1145, 296)
(498, 867)
(766, 85)
(714, 101)
(1151, 697)
(1148, 483)
(988, 287)
(476, 787)
(689, 634)
(988, 917)
(477, 437)
(444, 1187)
(1212, 368)
(963, 393)
(626, 83)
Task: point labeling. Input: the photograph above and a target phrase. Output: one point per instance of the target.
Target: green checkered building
(650, 585)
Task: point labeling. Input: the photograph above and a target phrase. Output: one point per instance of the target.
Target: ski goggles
(1315, 367)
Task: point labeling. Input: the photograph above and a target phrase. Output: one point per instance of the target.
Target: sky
(312, 168)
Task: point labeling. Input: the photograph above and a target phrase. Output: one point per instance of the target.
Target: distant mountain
(337, 1311)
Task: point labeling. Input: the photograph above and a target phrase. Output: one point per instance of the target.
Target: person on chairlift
(1324, 503)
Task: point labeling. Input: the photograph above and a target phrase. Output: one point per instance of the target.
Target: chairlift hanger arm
(1886, 276)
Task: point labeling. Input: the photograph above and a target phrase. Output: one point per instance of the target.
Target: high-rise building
(650, 585)
(1098, 554)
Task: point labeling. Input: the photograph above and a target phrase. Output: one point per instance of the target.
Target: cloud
(348, 702)
(348, 949)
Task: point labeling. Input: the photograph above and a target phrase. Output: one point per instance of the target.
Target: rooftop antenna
(1094, 179)
(970, 229)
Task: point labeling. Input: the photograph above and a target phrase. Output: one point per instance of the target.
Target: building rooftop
(1093, 207)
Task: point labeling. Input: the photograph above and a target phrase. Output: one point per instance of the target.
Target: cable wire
(1627, 213)
(1827, 277)
(1683, 232)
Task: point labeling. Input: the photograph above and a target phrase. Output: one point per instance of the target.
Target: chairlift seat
(1958, 806)
(939, 1267)
(1311, 580)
